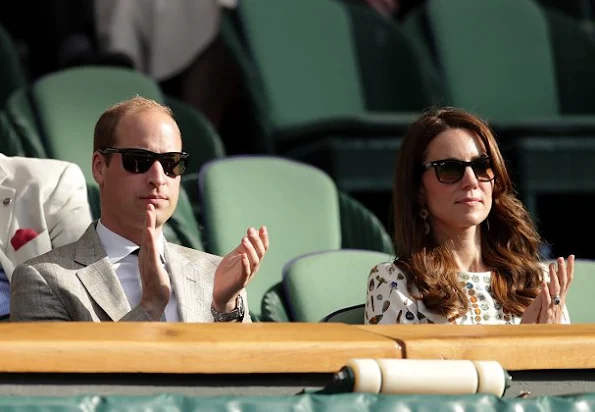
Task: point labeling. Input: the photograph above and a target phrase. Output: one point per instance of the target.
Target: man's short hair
(104, 135)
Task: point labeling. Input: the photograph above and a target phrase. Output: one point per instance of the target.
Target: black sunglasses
(140, 160)
(451, 170)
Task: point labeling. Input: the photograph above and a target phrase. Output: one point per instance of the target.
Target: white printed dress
(389, 302)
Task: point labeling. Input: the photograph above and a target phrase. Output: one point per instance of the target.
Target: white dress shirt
(119, 252)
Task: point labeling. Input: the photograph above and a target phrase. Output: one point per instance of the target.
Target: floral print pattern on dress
(389, 301)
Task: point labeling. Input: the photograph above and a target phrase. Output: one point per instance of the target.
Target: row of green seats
(335, 84)
(55, 116)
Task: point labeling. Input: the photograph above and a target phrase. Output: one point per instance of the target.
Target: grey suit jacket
(76, 282)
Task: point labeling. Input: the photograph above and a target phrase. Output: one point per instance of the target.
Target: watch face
(240, 305)
(236, 314)
(239, 308)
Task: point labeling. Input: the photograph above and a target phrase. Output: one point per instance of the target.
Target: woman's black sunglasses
(451, 170)
(140, 160)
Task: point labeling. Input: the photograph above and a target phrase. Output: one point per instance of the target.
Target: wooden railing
(516, 347)
(280, 347)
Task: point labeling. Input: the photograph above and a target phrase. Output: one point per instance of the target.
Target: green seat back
(94, 199)
(69, 103)
(305, 57)
(199, 137)
(353, 315)
(360, 228)
(580, 292)
(296, 202)
(395, 74)
(323, 282)
(495, 56)
(257, 127)
(274, 305)
(574, 52)
(22, 118)
(10, 144)
(182, 228)
(12, 71)
(575, 9)
(201, 140)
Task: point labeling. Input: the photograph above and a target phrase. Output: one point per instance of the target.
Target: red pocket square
(21, 237)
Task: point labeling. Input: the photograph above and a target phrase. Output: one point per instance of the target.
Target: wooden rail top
(185, 348)
(516, 347)
(280, 347)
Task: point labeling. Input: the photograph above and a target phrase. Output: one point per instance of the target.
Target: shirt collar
(118, 247)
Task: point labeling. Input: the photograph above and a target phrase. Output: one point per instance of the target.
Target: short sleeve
(387, 300)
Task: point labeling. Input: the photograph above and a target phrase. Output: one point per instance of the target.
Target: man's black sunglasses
(140, 160)
(452, 170)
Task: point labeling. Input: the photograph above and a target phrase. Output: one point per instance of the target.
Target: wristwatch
(235, 315)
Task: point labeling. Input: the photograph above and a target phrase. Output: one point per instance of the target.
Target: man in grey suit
(122, 269)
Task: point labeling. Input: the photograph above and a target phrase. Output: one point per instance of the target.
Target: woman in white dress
(467, 250)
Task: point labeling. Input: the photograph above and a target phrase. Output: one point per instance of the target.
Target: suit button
(7, 201)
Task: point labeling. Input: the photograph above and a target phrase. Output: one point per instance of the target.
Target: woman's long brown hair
(509, 240)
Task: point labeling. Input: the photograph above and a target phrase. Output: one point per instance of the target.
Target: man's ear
(98, 166)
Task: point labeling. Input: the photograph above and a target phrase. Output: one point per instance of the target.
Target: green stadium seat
(300, 206)
(316, 91)
(323, 282)
(578, 299)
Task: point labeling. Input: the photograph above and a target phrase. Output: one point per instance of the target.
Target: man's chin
(162, 217)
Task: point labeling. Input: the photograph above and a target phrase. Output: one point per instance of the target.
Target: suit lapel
(190, 288)
(99, 277)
